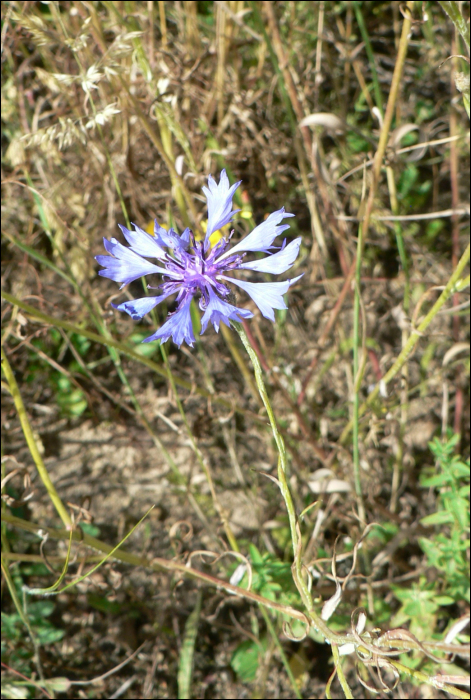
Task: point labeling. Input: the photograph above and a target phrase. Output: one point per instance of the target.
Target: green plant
(446, 550)
(17, 651)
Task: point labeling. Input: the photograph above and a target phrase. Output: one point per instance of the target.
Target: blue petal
(219, 310)
(267, 295)
(122, 265)
(185, 238)
(143, 243)
(170, 238)
(140, 307)
(178, 326)
(278, 262)
(262, 236)
(219, 199)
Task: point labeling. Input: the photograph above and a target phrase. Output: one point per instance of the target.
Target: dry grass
(115, 112)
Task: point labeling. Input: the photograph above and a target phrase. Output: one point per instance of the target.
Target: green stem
(274, 636)
(415, 335)
(340, 673)
(32, 444)
(282, 461)
(125, 349)
(435, 681)
(356, 378)
(370, 54)
(395, 84)
(453, 284)
(399, 237)
(297, 568)
(453, 11)
(160, 564)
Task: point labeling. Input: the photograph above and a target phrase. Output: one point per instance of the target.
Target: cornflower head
(192, 268)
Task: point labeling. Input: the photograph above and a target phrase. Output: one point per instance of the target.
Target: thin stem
(297, 570)
(175, 177)
(356, 379)
(454, 284)
(239, 360)
(340, 673)
(282, 461)
(125, 349)
(399, 238)
(395, 84)
(274, 636)
(369, 52)
(160, 564)
(163, 23)
(31, 441)
(435, 681)
(397, 469)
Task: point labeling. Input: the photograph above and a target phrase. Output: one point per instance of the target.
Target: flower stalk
(298, 574)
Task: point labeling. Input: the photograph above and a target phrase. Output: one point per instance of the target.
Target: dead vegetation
(115, 112)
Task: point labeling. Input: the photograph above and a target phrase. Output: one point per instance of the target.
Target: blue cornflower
(189, 267)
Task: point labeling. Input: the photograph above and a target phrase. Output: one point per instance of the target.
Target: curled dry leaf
(454, 351)
(323, 481)
(327, 120)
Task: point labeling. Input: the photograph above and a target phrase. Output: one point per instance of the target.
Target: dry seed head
(92, 77)
(65, 132)
(36, 27)
(122, 45)
(54, 81)
(103, 116)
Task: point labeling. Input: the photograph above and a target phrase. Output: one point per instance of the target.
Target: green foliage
(412, 188)
(103, 604)
(419, 604)
(17, 649)
(71, 400)
(446, 550)
(144, 349)
(357, 144)
(15, 690)
(37, 613)
(271, 577)
(433, 229)
(246, 659)
(90, 529)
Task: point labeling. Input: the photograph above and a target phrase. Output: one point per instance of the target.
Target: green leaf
(48, 634)
(102, 604)
(185, 664)
(246, 659)
(14, 691)
(255, 555)
(431, 550)
(444, 600)
(461, 470)
(143, 349)
(90, 529)
(439, 518)
(56, 685)
(437, 480)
